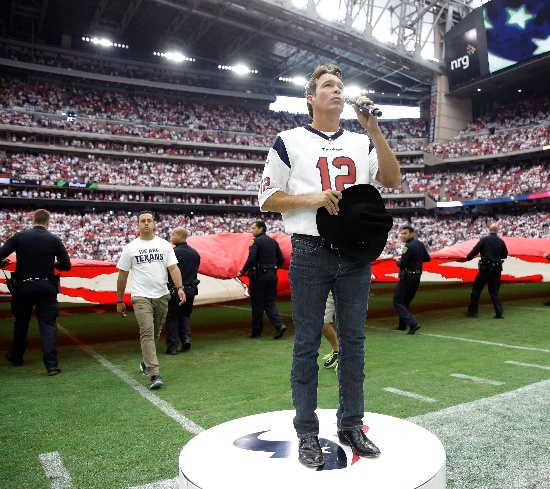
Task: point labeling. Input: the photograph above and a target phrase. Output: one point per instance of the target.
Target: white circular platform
(261, 451)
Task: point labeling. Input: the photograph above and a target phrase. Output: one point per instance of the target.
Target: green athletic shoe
(330, 360)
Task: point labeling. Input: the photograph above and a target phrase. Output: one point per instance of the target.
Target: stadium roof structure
(279, 38)
(380, 44)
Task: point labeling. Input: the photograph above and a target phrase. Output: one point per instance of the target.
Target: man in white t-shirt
(149, 257)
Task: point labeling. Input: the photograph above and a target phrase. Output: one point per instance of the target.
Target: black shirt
(265, 251)
(491, 247)
(188, 263)
(37, 251)
(414, 254)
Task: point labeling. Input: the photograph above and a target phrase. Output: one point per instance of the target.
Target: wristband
(180, 287)
(120, 302)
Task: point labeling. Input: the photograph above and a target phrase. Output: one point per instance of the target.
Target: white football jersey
(306, 161)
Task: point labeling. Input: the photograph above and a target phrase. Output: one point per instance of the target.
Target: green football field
(481, 385)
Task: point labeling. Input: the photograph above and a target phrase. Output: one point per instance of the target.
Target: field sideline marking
(486, 342)
(477, 379)
(511, 362)
(55, 470)
(408, 394)
(166, 408)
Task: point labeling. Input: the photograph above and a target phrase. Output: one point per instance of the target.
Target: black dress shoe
(546, 303)
(171, 352)
(359, 443)
(254, 336)
(186, 346)
(310, 453)
(280, 332)
(13, 361)
(498, 317)
(53, 371)
(470, 314)
(413, 329)
(401, 328)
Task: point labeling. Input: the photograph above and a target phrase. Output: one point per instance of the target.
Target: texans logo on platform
(334, 454)
(335, 457)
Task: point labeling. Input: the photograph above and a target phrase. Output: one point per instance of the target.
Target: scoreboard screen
(516, 31)
(496, 36)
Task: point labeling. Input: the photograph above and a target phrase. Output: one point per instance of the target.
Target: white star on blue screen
(518, 18)
(543, 45)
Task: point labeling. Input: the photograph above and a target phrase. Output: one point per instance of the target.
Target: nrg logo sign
(463, 61)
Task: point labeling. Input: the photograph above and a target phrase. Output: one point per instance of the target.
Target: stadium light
(239, 69)
(298, 80)
(354, 91)
(174, 56)
(104, 42)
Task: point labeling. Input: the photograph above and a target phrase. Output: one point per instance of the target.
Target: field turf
(99, 420)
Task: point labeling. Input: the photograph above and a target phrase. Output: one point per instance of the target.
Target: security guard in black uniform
(493, 251)
(410, 269)
(38, 251)
(178, 318)
(264, 257)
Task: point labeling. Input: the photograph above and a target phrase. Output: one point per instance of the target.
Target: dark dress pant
(41, 295)
(490, 276)
(263, 291)
(178, 319)
(402, 298)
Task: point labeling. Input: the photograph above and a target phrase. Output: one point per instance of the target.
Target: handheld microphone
(371, 109)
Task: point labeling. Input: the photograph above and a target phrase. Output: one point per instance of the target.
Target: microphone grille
(349, 100)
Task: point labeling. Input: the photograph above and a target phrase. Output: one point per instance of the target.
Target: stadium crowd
(517, 127)
(492, 182)
(161, 150)
(102, 235)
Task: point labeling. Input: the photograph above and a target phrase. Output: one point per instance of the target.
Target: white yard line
(412, 395)
(55, 470)
(544, 367)
(166, 408)
(477, 379)
(469, 340)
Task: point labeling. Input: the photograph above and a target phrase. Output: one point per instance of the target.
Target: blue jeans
(314, 271)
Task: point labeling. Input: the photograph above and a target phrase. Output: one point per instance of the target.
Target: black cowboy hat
(361, 226)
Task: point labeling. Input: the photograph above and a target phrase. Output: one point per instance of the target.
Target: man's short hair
(261, 225)
(41, 217)
(311, 86)
(181, 231)
(146, 212)
(406, 226)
